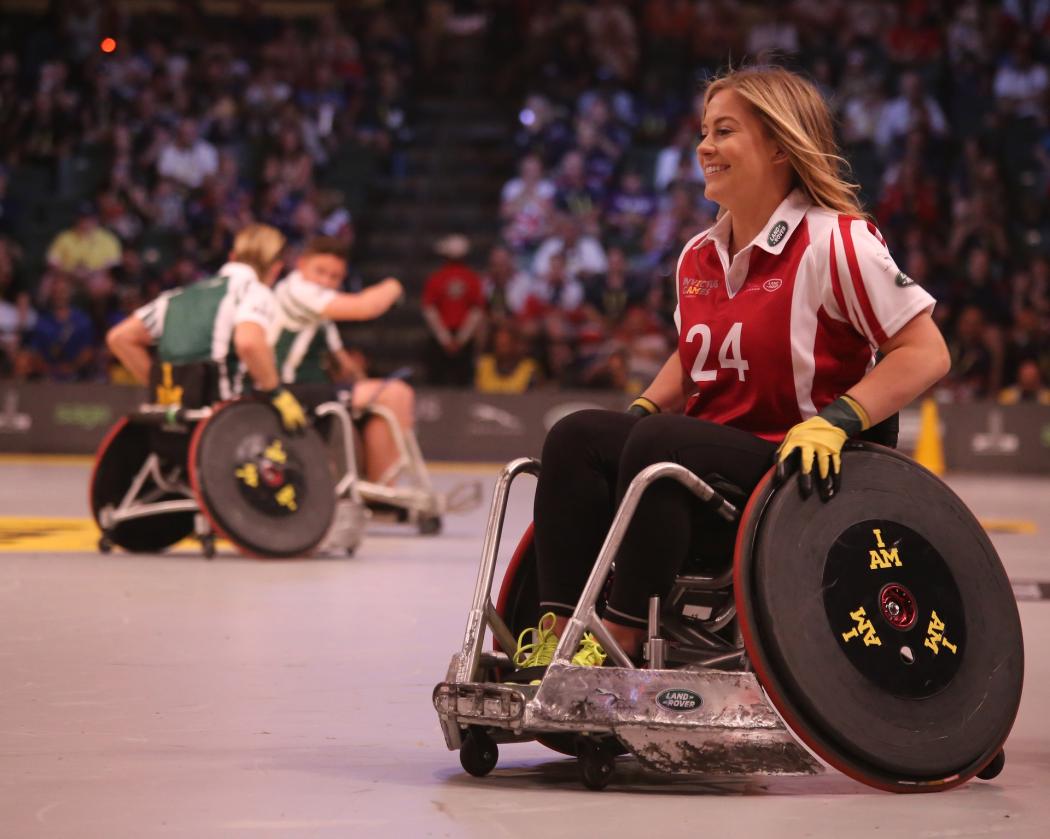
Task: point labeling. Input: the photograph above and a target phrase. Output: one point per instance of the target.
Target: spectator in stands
(1021, 82)
(584, 255)
(629, 210)
(86, 248)
(973, 357)
(526, 205)
(506, 368)
(187, 159)
(913, 108)
(1029, 387)
(506, 287)
(453, 308)
(17, 317)
(61, 346)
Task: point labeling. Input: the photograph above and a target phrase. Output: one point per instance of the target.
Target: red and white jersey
(793, 323)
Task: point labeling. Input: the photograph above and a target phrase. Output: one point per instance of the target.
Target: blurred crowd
(155, 152)
(133, 147)
(944, 111)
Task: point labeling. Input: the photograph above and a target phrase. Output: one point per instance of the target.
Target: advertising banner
(463, 425)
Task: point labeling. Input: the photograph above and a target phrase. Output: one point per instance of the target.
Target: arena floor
(171, 696)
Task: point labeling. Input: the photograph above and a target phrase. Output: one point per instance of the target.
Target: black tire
(993, 769)
(595, 763)
(208, 546)
(121, 454)
(429, 525)
(479, 753)
(250, 516)
(913, 722)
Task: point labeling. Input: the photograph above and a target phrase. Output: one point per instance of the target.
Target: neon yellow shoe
(590, 652)
(540, 651)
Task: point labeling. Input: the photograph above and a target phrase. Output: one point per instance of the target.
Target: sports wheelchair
(404, 493)
(876, 633)
(189, 464)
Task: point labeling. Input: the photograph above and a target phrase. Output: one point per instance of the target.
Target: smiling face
(740, 159)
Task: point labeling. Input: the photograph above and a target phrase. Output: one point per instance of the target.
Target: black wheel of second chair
(881, 623)
(269, 492)
(120, 456)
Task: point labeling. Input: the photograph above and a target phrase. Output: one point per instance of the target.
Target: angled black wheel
(993, 769)
(881, 624)
(595, 763)
(479, 753)
(269, 492)
(119, 458)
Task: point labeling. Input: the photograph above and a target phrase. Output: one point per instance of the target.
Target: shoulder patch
(903, 280)
(777, 233)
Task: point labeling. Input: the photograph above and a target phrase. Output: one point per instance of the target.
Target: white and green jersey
(196, 323)
(304, 336)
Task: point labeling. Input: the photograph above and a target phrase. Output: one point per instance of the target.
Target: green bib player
(310, 351)
(227, 319)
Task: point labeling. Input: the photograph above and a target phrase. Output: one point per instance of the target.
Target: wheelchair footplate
(707, 722)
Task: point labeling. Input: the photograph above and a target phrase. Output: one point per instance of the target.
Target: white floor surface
(175, 697)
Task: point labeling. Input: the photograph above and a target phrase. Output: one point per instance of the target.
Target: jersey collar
(237, 270)
(786, 217)
(773, 237)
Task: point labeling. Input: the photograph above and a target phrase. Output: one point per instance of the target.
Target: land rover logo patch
(903, 280)
(679, 699)
(777, 233)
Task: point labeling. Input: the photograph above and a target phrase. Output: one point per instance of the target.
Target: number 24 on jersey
(729, 357)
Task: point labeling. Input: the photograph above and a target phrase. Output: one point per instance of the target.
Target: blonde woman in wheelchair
(782, 307)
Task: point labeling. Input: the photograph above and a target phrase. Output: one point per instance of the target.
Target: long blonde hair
(796, 116)
(259, 246)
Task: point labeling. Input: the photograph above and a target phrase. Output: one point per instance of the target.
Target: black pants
(589, 459)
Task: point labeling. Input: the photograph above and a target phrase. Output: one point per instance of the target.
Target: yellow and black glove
(820, 439)
(293, 418)
(643, 407)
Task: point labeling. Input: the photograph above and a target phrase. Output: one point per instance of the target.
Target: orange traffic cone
(929, 447)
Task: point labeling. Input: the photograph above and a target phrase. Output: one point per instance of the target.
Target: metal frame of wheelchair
(712, 714)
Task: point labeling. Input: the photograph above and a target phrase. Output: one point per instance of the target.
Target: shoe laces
(590, 652)
(539, 652)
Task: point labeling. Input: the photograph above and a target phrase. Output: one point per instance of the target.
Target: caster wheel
(478, 754)
(429, 525)
(595, 763)
(105, 544)
(351, 551)
(994, 768)
(208, 547)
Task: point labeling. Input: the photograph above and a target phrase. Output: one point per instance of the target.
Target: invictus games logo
(903, 280)
(691, 287)
(777, 233)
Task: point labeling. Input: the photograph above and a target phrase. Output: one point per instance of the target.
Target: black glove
(643, 407)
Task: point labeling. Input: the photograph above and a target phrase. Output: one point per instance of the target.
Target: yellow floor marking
(438, 466)
(1022, 526)
(20, 534)
(47, 459)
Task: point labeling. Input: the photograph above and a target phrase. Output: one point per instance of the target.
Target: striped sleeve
(152, 315)
(256, 305)
(306, 297)
(867, 288)
(332, 336)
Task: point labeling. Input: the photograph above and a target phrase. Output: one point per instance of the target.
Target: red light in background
(108, 45)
